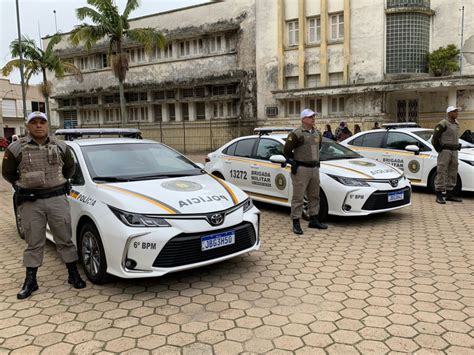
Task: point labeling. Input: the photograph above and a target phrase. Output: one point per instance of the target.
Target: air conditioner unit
(271, 111)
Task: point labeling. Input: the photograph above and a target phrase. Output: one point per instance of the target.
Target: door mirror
(413, 148)
(279, 159)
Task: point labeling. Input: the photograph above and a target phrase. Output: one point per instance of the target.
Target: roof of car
(102, 141)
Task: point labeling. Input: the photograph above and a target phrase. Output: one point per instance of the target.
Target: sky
(37, 19)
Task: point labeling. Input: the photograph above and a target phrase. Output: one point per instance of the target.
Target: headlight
(349, 181)
(139, 220)
(248, 204)
(470, 162)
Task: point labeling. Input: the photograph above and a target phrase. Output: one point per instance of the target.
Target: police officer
(302, 150)
(38, 167)
(446, 142)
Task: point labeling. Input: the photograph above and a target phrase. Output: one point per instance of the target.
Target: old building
(360, 61)
(205, 73)
(12, 118)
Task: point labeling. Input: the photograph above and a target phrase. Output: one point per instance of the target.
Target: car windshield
(427, 134)
(136, 161)
(331, 150)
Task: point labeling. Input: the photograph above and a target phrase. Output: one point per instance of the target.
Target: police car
(408, 147)
(351, 185)
(141, 209)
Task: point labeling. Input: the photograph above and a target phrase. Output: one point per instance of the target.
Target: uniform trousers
(55, 212)
(305, 182)
(446, 170)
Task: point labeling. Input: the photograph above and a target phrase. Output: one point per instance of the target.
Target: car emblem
(394, 182)
(216, 219)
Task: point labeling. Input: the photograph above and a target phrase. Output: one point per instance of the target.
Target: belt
(311, 164)
(450, 147)
(38, 195)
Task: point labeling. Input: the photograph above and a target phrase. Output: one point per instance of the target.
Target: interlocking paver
(400, 282)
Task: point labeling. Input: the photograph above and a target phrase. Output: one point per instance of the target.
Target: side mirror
(279, 159)
(413, 148)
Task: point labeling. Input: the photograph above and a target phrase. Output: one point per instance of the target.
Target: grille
(186, 248)
(379, 200)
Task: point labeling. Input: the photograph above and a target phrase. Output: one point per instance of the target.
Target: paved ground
(401, 282)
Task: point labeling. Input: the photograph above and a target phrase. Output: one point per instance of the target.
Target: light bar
(73, 133)
(267, 130)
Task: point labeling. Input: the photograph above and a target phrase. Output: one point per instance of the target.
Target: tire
(431, 183)
(19, 226)
(92, 255)
(323, 207)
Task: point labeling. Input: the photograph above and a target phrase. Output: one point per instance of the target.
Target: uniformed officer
(302, 150)
(38, 167)
(446, 142)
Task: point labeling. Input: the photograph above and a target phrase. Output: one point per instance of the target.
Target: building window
(184, 49)
(90, 101)
(39, 106)
(185, 111)
(199, 91)
(291, 82)
(200, 110)
(314, 30)
(137, 114)
(316, 105)
(110, 99)
(135, 96)
(170, 94)
(185, 93)
(163, 53)
(90, 116)
(158, 113)
(337, 26)
(224, 109)
(218, 90)
(112, 115)
(294, 107)
(337, 105)
(105, 60)
(159, 95)
(172, 112)
(313, 81)
(136, 55)
(293, 32)
(216, 44)
(336, 79)
(408, 41)
(84, 63)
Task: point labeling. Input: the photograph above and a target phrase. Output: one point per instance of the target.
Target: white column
(178, 112)
(165, 113)
(208, 110)
(149, 100)
(192, 111)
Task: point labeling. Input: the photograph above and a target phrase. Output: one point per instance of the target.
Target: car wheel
(92, 255)
(432, 178)
(323, 207)
(19, 226)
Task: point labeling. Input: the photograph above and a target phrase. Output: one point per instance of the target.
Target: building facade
(360, 61)
(206, 72)
(12, 117)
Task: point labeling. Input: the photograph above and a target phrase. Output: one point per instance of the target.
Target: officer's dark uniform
(39, 175)
(302, 149)
(446, 142)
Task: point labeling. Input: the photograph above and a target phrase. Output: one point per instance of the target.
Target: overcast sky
(37, 18)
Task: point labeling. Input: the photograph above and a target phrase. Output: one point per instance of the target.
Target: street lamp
(2, 133)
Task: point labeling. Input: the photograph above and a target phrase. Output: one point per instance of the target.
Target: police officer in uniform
(302, 150)
(446, 142)
(38, 167)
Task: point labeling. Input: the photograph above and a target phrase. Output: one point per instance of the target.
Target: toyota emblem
(394, 182)
(216, 219)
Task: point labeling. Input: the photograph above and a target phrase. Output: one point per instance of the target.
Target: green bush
(444, 60)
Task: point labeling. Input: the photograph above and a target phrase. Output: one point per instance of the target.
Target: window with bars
(292, 32)
(314, 30)
(337, 26)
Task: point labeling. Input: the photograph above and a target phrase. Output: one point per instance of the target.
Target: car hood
(359, 168)
(184, 195)
(466, 154)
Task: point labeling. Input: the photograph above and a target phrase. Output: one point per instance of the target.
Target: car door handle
(227, 161)
(254, 166)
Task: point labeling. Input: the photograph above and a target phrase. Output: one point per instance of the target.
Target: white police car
(141, 209)
(350, 184)
(408, 147)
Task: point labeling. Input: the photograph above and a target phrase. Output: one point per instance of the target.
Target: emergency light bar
(267, 130)
(400, 125)
(73, 133)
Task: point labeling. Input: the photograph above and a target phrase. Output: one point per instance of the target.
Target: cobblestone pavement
(401, 282)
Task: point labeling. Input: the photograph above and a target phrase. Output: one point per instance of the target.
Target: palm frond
(131, 5)
(10, 66)
(147, 37)
(104, 6)
(72, 69)
(29, 49)
(87, 34)
(52, 42)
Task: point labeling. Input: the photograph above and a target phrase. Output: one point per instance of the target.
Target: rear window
(372, 140)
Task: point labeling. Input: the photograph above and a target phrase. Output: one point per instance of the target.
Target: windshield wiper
(159, 176)
(110, 179)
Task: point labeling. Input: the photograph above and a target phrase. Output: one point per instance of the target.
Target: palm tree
(109, 25)
(37, 61)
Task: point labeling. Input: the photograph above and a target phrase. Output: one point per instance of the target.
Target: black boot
(297, 227)
(74, 277)
(314, 223)
(30, 284)
(450, 196)
(440, 198)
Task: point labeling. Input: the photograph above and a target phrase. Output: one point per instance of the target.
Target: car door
(237, 162)
(369, 144)
(78, 189)
(396, 155)
(269, 179)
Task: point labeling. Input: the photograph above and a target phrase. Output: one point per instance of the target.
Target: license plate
(217, 240)
(395, 196)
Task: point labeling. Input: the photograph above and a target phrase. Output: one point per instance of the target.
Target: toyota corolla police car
(141, 209)
(408, 147)
(351, 185)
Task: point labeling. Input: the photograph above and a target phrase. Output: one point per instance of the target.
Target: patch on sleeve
(5, 156)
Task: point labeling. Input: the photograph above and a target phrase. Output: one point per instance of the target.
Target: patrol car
(408, 147)
(351, 185)
(141, 209)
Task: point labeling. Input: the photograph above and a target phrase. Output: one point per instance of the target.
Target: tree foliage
(444, 60)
